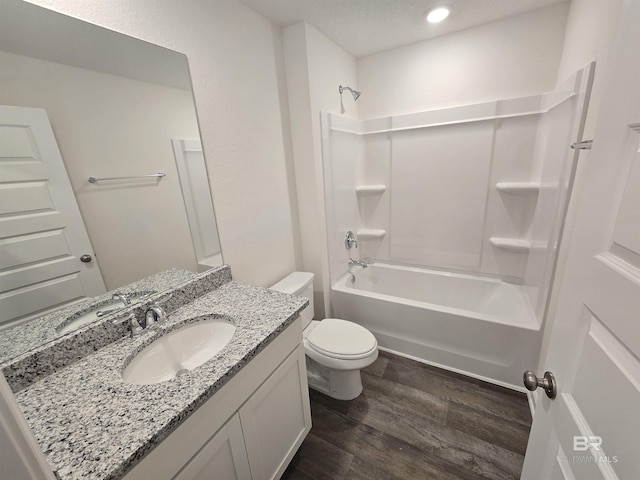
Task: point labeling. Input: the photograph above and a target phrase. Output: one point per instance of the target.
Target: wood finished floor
(414, 421)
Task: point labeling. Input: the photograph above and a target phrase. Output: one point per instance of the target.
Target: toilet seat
(342, 340)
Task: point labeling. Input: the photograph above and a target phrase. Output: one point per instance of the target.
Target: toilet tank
(301, 284)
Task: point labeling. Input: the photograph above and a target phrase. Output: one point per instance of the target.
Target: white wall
(514, 57)
(590, 32)
(315, 68)
(233, 56)
(590, 35)
(110, 126)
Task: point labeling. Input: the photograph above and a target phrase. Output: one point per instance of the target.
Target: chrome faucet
(362, 263)
(154, 314)
(134, 324)
(122, 297)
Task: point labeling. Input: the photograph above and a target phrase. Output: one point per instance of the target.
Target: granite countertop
(29, 336)
(92, 425)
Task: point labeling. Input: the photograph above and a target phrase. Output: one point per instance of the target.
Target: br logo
(581, 443)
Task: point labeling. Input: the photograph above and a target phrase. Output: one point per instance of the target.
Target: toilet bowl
(336, 350)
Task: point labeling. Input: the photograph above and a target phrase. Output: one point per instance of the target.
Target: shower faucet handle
(350, 240)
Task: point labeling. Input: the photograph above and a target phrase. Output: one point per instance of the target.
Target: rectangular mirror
(80, 101)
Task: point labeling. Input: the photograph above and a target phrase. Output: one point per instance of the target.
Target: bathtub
(478, 326)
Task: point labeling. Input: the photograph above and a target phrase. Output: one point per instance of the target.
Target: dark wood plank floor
(415, 422)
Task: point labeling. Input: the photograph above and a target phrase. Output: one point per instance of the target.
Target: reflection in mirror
(80, 101)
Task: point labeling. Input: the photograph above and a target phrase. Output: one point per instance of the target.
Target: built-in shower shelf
(370, 189)
(518, 188)
(513, 244)
(371, 234)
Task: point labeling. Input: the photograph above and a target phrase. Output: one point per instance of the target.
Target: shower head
(354, 93)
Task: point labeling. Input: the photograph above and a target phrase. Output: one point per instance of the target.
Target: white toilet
(336, 349)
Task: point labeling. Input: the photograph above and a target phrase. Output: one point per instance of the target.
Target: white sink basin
(179, 351)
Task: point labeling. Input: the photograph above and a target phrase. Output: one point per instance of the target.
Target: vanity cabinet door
(223, 456)
(277, 418)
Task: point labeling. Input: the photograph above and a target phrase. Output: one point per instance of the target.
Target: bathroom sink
(179, 351)
(94, 312)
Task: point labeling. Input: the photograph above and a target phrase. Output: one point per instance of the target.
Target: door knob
(85, 258)
(547, 382)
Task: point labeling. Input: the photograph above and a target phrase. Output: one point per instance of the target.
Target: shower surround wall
(420, 189)
(479, 189)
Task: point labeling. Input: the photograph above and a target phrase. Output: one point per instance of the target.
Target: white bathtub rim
(438, 271)
(466, 373)
(530, 322)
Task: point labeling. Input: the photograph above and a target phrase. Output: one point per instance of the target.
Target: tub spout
(362, 263)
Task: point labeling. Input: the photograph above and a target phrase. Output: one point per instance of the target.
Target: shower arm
(354, 93)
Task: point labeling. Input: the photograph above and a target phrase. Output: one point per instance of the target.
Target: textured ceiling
(363, 27)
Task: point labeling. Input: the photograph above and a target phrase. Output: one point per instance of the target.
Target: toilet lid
(342, 339)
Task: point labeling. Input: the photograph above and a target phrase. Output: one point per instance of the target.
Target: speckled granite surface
(32, 366)
(26, 337)
(92, 425)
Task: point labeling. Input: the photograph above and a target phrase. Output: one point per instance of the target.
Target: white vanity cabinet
(276, 418)
(248, 430)
(223, 456)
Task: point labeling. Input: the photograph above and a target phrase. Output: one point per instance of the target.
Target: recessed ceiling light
(437, 14)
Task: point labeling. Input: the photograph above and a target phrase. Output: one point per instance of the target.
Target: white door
(590, 431)
(42, 235)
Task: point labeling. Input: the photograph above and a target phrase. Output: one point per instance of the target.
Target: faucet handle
(154, 314)
(350, 240)
(136, 328)
(149, 319)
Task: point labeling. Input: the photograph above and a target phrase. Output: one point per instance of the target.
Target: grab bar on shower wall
(96, 180)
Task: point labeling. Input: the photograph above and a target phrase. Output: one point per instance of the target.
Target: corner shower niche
(528, 189)
(478, 189)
